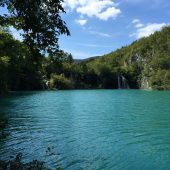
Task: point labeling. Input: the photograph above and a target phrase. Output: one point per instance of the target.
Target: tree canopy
(40, 21)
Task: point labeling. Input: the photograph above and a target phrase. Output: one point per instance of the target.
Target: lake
(89, 129)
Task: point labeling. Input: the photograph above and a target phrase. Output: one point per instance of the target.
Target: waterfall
(145, 83)
(122, 82)
(47, 84)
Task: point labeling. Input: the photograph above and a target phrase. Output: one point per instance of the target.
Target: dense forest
(143, 64)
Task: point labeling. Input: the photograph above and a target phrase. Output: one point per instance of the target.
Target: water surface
(89, 129)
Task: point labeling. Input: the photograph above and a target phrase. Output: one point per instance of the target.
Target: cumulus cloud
(101, 9)
(144, 30)
(149, 29)
(110, 12)
(81, 21)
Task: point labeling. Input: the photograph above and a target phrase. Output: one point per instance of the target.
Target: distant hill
(86, 60)
(78, 60)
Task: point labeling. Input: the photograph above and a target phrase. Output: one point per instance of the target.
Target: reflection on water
(98, 129)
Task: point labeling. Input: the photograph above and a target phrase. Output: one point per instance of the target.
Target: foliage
(60, 82)
(40, 22)
(147, 59)
(4, 62)
(161, 80)
(19, 69)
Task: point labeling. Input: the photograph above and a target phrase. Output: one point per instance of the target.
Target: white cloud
(139, 25)
(100, 34)
(71, 3)
(135, 21)
(149, 29)
(144, 30)
(111, 12)
(81, 21)
(101, 9)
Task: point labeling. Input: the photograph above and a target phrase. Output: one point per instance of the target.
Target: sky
(99, 27)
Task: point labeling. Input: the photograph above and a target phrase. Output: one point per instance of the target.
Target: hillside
(144, 64)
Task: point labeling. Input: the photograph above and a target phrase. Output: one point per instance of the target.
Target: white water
(122, 82)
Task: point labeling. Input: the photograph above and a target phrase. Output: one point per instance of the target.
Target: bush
(60, 82)
(161, 80)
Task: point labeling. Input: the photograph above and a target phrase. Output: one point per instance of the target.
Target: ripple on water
(98, 129)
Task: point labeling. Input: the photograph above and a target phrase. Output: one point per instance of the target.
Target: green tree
(40, 21)
(4, 62)
(60, 82)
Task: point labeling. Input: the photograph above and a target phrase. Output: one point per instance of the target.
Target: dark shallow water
(91, 130)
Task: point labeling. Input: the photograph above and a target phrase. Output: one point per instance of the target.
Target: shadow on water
(17, 164)
(3, 124)
(7, 103)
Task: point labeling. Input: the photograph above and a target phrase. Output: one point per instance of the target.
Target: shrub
(60, 82)
(161, 80)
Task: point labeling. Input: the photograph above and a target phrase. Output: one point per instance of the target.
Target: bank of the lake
(89, 129)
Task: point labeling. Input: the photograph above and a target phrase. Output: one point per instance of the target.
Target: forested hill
(143, 64)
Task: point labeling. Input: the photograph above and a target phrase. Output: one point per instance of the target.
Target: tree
(40, 21)
(4, 62)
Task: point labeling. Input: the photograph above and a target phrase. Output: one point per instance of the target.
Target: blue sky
(100, 26)
(95, 31)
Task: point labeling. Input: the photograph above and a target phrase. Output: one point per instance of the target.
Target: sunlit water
(91, 130)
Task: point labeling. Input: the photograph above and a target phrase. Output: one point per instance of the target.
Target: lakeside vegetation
(37, 63)
(145, 64)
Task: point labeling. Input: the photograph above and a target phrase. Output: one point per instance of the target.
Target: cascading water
(122, 82)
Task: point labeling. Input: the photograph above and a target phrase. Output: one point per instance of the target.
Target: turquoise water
(91, 130)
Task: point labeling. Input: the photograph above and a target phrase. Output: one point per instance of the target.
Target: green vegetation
(60, 82)
(144, 64)
(17, 164)
(19, 69)
(39, 21)
(21, 64)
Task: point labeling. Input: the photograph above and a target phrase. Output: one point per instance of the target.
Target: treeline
(144, 64)
(21, 69)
